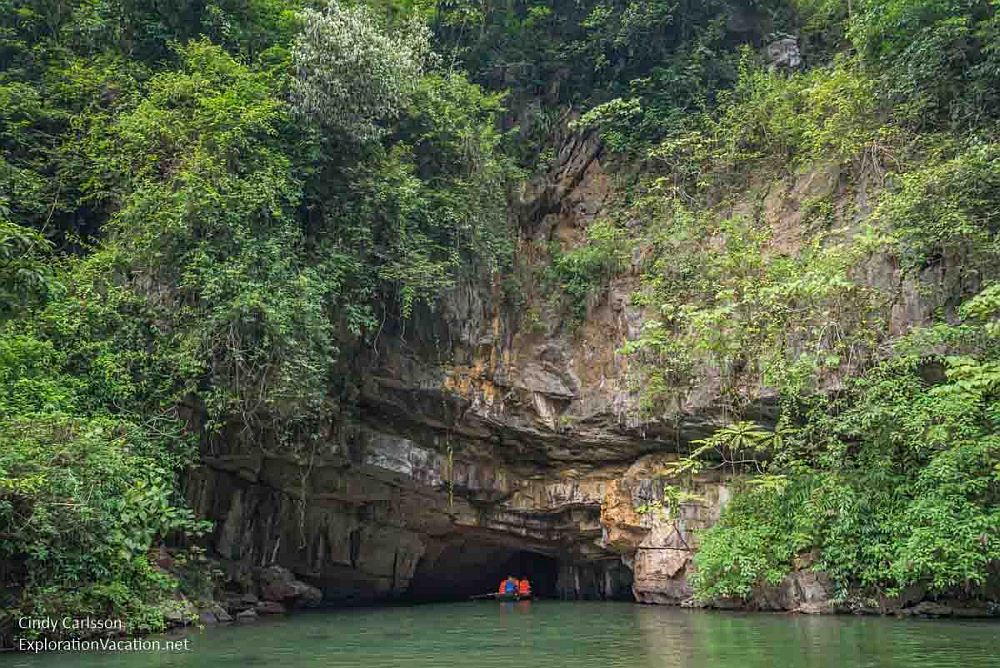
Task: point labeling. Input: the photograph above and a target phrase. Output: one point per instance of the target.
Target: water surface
(572, 634)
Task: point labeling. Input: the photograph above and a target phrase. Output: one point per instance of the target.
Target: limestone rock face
(802, 591)
(487, 428)
(783, 52)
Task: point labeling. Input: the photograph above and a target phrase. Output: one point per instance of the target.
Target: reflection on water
(758, 641)
(581, 635)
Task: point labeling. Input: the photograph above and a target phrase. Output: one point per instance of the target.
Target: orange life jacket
(503, 586)
(523, 586)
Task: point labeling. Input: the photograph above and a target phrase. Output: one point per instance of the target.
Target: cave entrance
(541, 570)
(460, 568)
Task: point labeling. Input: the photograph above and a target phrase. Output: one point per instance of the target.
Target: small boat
(502, 597)
(513, 597)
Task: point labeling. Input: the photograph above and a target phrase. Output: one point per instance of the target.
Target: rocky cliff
(490, 437)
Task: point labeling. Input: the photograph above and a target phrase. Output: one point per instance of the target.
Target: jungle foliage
(892, 484)
(193, 220)
(882, 469)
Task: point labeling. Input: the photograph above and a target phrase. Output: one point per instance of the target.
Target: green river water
(551, 633)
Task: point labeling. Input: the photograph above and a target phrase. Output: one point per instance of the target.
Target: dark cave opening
(541, 570)
(462, 568)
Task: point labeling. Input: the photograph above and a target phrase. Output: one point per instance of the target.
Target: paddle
(482, 596)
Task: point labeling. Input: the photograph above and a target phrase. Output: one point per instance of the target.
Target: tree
(353, 74)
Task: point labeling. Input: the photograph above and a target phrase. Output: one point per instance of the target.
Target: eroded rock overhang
(389, 518)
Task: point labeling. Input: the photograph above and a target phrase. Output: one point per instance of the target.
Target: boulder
(246, 616)
(180, 612)
(234, 602)
(278, 584)
(214, 614)
(270, 608)
(801, 591)
(931, 609)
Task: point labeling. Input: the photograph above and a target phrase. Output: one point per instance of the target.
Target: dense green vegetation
(201, 203)
(892, 484)
(192, 217)
(893, 481)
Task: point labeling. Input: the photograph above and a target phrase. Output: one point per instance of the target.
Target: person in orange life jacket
(508, 585)
(523, 587)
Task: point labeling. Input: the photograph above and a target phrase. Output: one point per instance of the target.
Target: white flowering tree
(353, 75)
